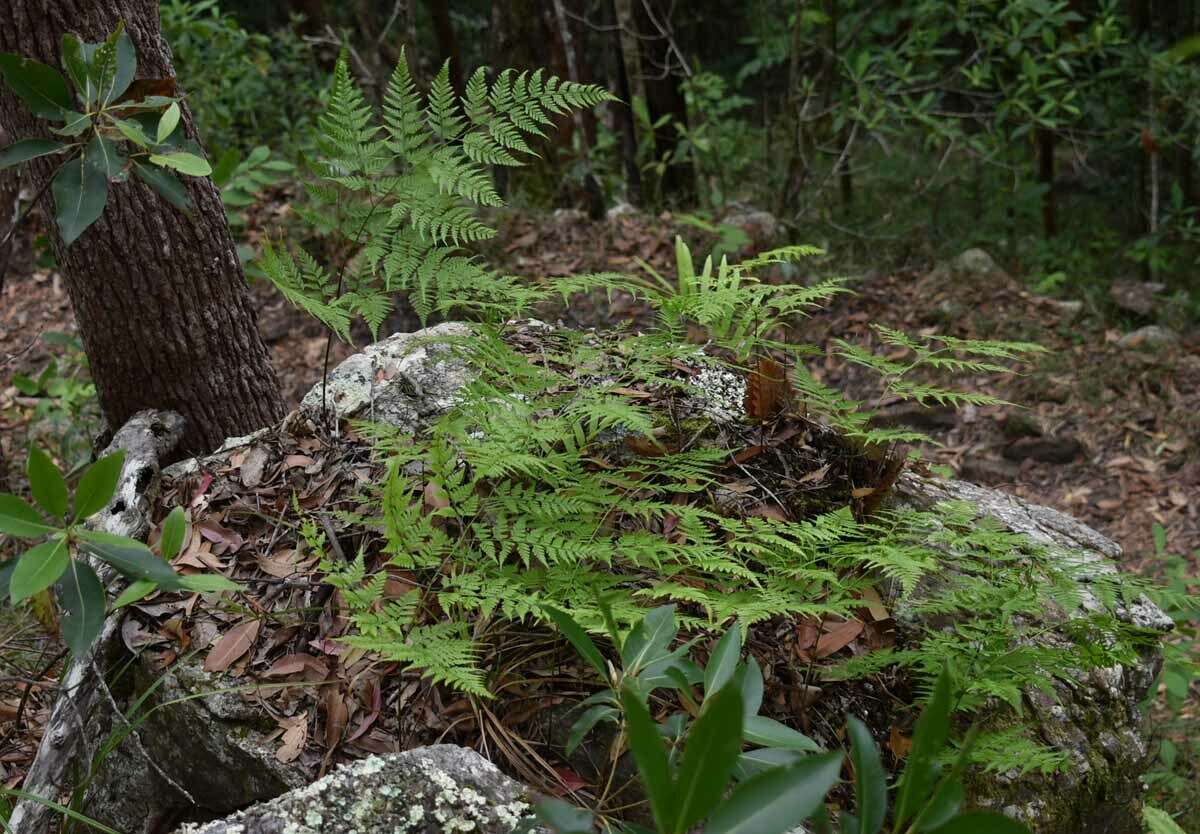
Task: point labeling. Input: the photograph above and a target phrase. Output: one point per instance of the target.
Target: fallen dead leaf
(838, 638)
(295, 734)
(232, 645)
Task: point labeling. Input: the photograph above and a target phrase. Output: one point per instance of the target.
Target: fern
(400, 192)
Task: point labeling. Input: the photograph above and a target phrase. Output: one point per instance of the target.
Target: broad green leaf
(650, 639)
(778, 799)
(97, 485)
(75, 124)
(947, 798)
(81, 597)
(1185, 49)
(208, 583)
(184, 163)
(133, 132)
(713, 746)
(168, 122)
(47, 484)
(39, 568)
(563, 817)
(753, 762)
(19, 519)
(870, 783)
(28, 149)
(42, 88)
(131, 557)
(103, 153)
(80, 191)
(225, 167)
(173, 533)
(982, 822)
(113, 66)
(929, 736)
(768, 732)
(166, 184)
(1157, 820)
(584, 724)
(651, 758)
(136, 591)
(751, 682)
(723, 661)
(75, 62)
(579, 639)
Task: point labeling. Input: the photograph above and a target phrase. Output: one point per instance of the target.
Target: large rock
(1094, 719)
(441, 789)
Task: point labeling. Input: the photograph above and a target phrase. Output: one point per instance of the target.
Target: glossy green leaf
(563, 817)
(929, 736)
(173, 534)
(19, 519)
(42, 88)
(584, 724)
(75, 124)
(651, 758)
(136, 591)
(753, 762)
(184, 163)
(1159, 821)
(768, 732)
(168, 122)
(870, 781)
(75, 62)
(225, 167)
(131, 557)
(38, 568)
(946, 800)
(713, 746)
(132, 131)
(105, 154)
(777, 800)
(47, 484)
(80, 191)
(113, 66)
(81, 599)
(982, 822)
(97, 485)
(28, 149)
(165, 183)
(579, 639)
(650, 640)
(751, 681)
(208, 583)
(723, 661)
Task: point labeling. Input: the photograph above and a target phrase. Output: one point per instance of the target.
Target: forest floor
(1107, 433)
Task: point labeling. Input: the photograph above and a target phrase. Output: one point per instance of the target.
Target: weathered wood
(69, 743)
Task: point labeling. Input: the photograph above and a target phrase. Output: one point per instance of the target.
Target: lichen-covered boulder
(405, 380)
(441, 789)
(1093, 719)
(202, 750)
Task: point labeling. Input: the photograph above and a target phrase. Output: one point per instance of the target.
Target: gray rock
(1094, 719)
(973, 262)
(404, 380)
(441, 789)
(761, 226)
(201, 750)
(1150, 337)
(1138, 297)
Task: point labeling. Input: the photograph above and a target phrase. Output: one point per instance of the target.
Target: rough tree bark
(160, 297)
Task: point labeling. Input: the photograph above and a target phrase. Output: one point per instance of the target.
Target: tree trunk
(159, 296)
(10, 184)
(447, 41)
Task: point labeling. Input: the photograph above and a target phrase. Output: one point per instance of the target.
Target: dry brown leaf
(815, 475)
(295, 734)
(217, 534)
(293, 461)
(899, 743)
(232, 645)
(336, 716)
(838, 638)
(251, 469)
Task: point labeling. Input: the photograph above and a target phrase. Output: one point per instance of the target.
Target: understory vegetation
(677, 492)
